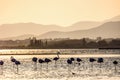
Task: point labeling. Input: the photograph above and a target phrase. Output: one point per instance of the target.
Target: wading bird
(13, 61)
(69, 62)
(115, 64)
(47, 61)
(1, 64)
(100, 60)
(72, 59)
(92, 60)
(17, 63)
(34, 59)
(56, 58)
(79, 60)
(41, 62)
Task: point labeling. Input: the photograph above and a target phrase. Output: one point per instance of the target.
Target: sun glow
(60, 12)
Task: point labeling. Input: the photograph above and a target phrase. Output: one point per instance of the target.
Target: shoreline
(65, 56)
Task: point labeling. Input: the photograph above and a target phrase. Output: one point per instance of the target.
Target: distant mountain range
(107, 29)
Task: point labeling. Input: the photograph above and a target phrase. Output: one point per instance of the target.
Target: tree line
(73, 43)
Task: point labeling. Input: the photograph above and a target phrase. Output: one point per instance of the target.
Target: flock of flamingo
(69, 61)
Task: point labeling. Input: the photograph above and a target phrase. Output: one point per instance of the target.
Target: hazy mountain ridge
(113, 19)
(21, 37)
(108, 29)
(25, 28)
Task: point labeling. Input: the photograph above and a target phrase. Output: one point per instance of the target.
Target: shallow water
(62, 71)
(63, 51)
(26, 69)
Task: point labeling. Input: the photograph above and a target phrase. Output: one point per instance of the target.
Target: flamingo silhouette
(115, 64)
(17, 63)
(1, 64)
(100, 60)
(69, 62)
(13, 61)
(72, 59)
(92, 60)
(34, 59)
(41, 61)
(79, 60)
(47, 61)
(56, 58)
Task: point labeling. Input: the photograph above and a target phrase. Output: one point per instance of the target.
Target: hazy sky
(60, 12)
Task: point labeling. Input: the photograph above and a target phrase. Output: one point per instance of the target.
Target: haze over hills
(19, 29)
(116, 18)
(107, 29)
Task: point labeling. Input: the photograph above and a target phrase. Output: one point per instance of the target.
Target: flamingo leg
(17, 69)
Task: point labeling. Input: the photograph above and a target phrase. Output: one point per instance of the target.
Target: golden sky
(59, 12)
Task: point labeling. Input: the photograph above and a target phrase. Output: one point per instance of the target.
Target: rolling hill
(107, 29)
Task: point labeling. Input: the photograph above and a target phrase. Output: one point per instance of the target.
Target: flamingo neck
(58, 55)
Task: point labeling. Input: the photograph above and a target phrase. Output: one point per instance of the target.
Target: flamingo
(72, 59)
(47, 61)
(41, 61)
(115, 64)
(69, 63)
(17, 63)
(100, 60)
(79, 60)
(34, 59)
(13, 60)
(56, 58)
(92, 60)
(1, 63)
